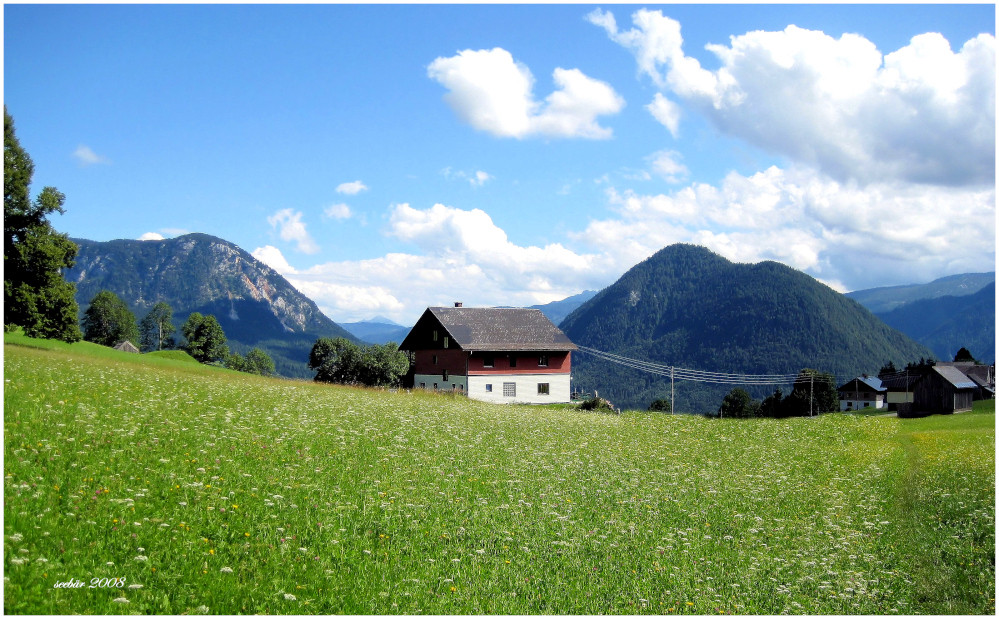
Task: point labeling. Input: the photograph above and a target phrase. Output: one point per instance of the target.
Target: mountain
(200, 273)
(556, 311)
(886, 299)
(378, 330)
(688, 307)
(946, 324)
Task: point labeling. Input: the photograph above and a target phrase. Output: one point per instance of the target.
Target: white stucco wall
(526, 385)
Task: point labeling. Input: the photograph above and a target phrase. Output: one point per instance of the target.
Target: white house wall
(526, 385)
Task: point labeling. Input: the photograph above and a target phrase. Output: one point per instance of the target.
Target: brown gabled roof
(493, 328)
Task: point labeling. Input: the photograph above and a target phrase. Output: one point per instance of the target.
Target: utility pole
(672, 394)
(811, 392)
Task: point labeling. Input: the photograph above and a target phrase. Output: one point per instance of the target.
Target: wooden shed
(126, 346)
(944, 389)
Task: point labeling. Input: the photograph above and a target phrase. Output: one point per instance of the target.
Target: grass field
(198, 490)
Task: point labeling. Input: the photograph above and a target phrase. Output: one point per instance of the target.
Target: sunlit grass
(217, 492)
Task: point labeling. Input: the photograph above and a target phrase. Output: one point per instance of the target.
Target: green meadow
(164, 486)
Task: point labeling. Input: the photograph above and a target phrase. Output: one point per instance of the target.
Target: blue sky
(387, 158)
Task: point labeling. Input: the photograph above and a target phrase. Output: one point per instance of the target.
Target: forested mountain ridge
(888, 298)
(688, 307)
(947, 324)
(255, 305)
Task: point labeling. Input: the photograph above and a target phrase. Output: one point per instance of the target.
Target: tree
(771, 405)
(206, 340)
(887, 369)
(383, 365)
(108, 321)
(814, 392)
(156, 329)
(36, 296)
(661, 405)
(738, 403)
(341, 361)
(336, 360)
(964, 355)
(259, 362)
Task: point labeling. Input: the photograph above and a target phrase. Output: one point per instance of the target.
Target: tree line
(108, 321)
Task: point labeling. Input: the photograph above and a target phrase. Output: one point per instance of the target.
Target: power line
(672, 372)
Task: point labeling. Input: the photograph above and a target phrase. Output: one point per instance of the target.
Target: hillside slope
(945, 324)
(888, 298)
(691, 308)
(200, 273)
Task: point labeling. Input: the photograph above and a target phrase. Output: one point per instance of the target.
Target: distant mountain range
(200, 273)
(378, 330)
(688, 307)
(887, 298)
(684, 306)
(945, 315)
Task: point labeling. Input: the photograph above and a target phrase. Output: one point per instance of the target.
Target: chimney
(457, 303)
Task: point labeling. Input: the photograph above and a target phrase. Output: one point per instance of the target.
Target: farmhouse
(491, 354)
(862, 392)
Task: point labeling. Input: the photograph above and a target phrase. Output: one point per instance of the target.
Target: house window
(435, 359)
(445, 341)
(543, 361)
(435, 335)
(543, 389)
(423, 385)
(509, 390)
(435, 386)
(489, 387)
(488, 361)
(445, 375)
(513, 361)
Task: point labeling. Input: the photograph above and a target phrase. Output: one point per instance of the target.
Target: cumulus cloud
(85, 156)
(837, 232)
(151, 236)
(272, 257)
(290, 227)
(921, 114)
(337, 211)
(352, 188)
(492, 92)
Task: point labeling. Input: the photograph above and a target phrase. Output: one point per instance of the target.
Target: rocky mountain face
(255, 305)
(688, 307)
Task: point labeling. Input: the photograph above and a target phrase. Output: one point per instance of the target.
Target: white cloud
(855, 236)
(921, 114)
(666, 112)
(151, 236)
(475, 179)
(290, 227)
(491, 91)
(666, 165)
(272, 257)
(352, 188)
(337, 211)
(85, 156)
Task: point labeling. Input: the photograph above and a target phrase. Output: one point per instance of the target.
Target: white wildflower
(290, 597)
(226, 570)
(120, 601)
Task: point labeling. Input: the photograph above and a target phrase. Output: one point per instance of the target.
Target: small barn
(126, 346)
(491, 354)
(944, 389)
(862, 392)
